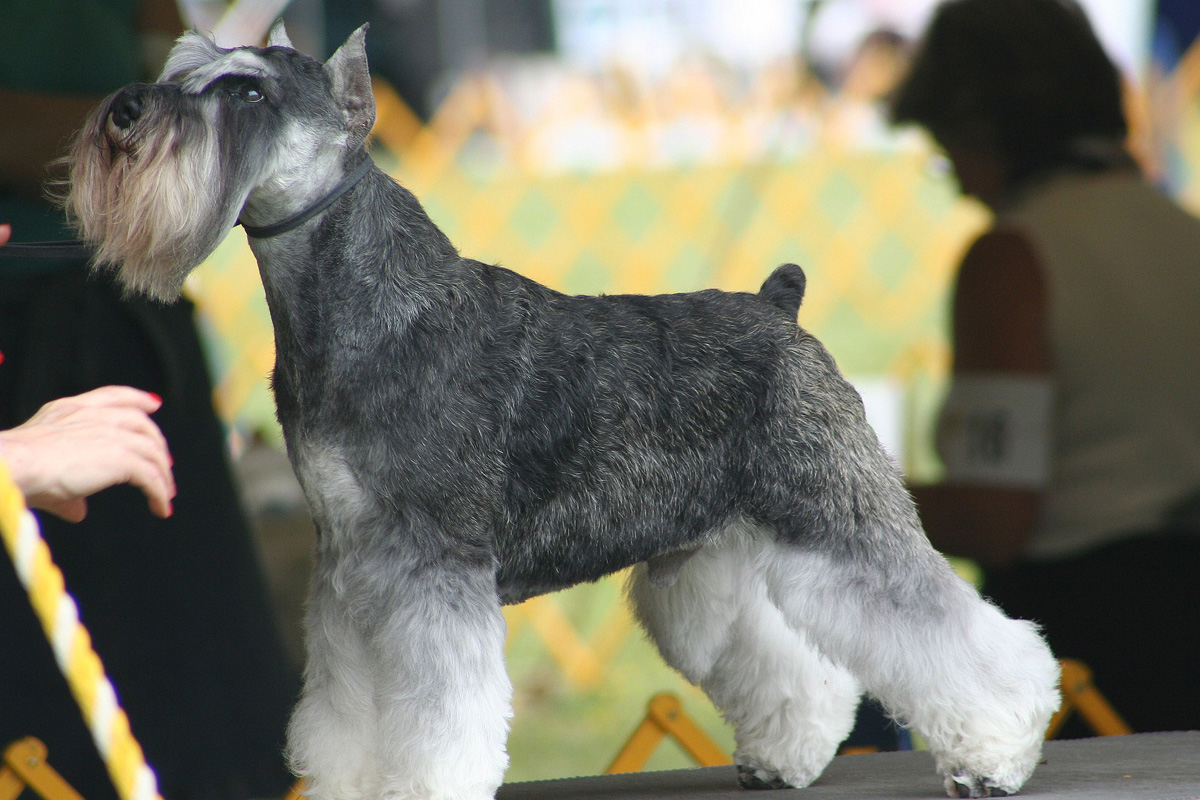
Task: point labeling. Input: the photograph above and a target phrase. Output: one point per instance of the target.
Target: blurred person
(856, 115)
(176, 607)
(1071, 430)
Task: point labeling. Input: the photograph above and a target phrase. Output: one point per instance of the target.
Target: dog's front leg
(331, 737)
(443, 695)
(406, 694)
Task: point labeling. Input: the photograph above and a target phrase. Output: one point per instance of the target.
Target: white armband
(995, 431)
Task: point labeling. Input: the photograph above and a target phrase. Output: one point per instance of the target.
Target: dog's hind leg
(790, 708)
(979, 686)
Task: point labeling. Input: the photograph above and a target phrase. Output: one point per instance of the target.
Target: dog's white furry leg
(405, 694)
(979, 686)
(790, 707)
(331, 737)
(443, 695)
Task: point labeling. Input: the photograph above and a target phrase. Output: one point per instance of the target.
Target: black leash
(70, 248)
(78, 249)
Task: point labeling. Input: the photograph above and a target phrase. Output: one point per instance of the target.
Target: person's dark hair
(1026, 77)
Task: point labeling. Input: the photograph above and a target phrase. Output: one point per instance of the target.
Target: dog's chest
(335, 495)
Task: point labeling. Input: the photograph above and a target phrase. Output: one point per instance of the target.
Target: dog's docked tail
(784, 288)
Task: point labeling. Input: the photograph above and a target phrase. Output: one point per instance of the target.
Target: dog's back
(656, 415)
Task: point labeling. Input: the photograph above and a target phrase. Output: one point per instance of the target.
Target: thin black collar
(77, 249)
(296, 220)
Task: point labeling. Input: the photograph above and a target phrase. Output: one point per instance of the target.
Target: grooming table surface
(1146, 766)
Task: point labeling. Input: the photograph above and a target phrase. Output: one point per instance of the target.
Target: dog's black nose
(125, 109)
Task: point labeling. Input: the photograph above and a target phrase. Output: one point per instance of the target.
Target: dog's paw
(752, 776)
(963, 785)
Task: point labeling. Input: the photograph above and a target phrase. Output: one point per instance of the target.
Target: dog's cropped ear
(278, 36)
(347, 70)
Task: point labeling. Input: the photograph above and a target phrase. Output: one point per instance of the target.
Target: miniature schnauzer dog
(468, 438)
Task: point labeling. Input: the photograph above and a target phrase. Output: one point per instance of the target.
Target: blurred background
(660, 146)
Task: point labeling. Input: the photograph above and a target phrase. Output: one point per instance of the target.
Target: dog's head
(161, 172)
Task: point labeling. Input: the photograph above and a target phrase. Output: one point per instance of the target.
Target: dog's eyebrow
(243, 63)
(192, 50)
(196, 62)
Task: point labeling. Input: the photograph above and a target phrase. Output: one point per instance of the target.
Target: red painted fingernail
(156, 397)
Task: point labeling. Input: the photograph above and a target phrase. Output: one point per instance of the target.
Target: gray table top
(1147, 766)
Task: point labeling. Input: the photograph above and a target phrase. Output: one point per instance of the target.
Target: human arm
(999, 324)
(76, 446)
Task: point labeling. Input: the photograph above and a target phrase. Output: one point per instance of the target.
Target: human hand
(75, 446)
(5, 232)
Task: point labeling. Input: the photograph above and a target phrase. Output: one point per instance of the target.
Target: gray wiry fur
(467, 437)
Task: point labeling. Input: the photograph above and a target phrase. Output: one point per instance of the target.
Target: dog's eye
(247, 93)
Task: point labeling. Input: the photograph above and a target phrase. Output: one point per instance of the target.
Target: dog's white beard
(154, 210)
